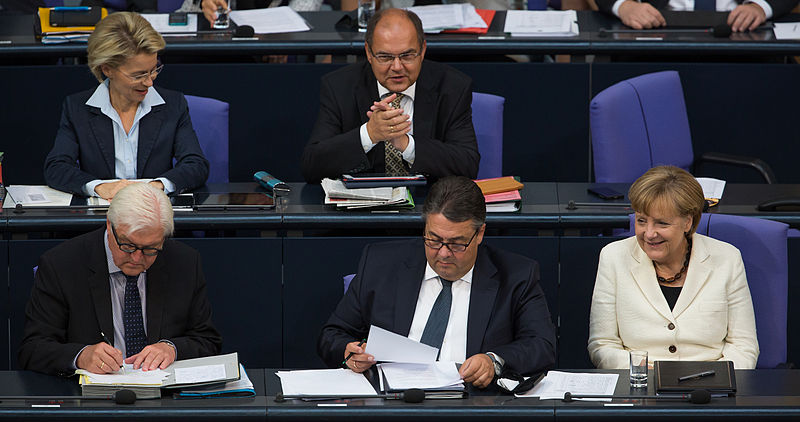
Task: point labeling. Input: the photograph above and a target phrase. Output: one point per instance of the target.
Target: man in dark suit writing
(479, 305)
(124, 292)
(397, 113)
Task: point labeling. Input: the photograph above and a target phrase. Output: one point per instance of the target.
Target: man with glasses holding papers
(396, 114)
(478, 305)
(124, 292)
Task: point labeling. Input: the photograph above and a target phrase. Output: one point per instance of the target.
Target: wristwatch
(498, 366)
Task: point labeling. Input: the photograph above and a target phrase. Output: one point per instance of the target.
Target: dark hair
(373, 22)
(458, 198)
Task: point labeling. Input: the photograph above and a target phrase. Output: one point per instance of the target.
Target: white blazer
(712, 320)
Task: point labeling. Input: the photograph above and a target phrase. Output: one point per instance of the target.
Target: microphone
(721, 31)
(696, 397)
(119, 397)
(244, 31)
(412, 395)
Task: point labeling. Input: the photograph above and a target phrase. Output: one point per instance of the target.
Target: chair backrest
(210, 122)
(347, 280)
(167, 6)
(764, 251)
(638, 124)
(487, 118)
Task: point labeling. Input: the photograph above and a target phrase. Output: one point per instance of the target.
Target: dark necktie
(132, 318)
(705, 5)
(433, 335)
(393, 158)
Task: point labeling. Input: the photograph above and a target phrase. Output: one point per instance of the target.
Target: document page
(787, 31)
(712, 188)
(325, 382)
(387, 346)
(160, 22)
(402, 376)
(35, 195)
(548, 23)
(448, 16)
(126, 376)
(556, 383)
(198, 374)
(273, 20)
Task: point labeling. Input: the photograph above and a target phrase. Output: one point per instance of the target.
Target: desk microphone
(412, 395)
(244, 31)
(119, 397)
(696, 397)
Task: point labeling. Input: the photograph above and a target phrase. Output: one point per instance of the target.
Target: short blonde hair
(668, 186)
(119, 37)
(141, 206)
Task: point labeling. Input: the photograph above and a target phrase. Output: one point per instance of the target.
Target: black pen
(697, 375)
(344, 362)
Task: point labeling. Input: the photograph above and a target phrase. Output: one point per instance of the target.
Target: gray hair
(141, 206)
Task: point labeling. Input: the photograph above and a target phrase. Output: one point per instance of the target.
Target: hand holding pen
(355, 357)
(100, 358)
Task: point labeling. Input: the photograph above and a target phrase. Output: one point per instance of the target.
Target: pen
(344, 362)
(697, 375)
(108, 342)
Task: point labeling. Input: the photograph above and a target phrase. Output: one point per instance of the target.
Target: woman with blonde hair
(125, 129)
(667, 290)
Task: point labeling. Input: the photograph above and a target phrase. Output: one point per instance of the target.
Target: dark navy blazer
(84, 146)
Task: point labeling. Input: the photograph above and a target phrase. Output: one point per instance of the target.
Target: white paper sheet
(556, 383)
(787, 31)
(541, 23)
(712, 188)
(35, 195)
(198, 374)
(127, 376)
(160, 22)
(446, 16)
(273, 20)
(387, 346)
(333, 382)
(402, 376)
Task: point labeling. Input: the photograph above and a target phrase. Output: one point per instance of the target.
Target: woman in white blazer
(677, 294)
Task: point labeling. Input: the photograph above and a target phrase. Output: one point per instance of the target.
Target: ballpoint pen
(697, 375)
(344, 362)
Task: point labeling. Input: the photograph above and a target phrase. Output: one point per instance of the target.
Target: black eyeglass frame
(383, 58)
(131, 248)
(450, 245)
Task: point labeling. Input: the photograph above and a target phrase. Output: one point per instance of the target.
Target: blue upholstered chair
(641, 123)
(210, 122)
(487, 118)
(764, 251)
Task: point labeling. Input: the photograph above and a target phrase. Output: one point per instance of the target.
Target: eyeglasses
(385, 58)
(131, 248)
(141, 77)
(453, 247)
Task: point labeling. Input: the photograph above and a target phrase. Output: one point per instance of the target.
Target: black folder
(667, 373)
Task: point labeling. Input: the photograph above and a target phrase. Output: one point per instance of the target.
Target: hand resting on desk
(640, 15)
(155, 356)
(746, 17)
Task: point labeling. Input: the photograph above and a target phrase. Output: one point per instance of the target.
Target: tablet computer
(234, 201)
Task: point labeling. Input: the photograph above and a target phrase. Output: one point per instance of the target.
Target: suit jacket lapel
(366, 92)
(103, 131)
(645, 277)
(481, 301)
(157, 279)
(100, 287)
(425, 105)
(149, 127)
(698, 273)
(408, 283)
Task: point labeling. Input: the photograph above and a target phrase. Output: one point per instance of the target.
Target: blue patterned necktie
(433, 335)
(132, 317)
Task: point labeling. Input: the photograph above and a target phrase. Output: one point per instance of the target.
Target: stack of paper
(337, 194)
(427, 376)
(436, 18)
(501, 193)
(712, 188)
(541, 23)
(325, 382)
(787, 30)
(273, 20)
(240, 388)
(35, 196)
(556, 383)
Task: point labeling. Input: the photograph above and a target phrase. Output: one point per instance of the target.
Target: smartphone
(222, 21)
(178, 19)
(605, 193)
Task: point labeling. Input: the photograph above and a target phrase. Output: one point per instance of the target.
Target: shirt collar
(410, 92)
(102, 100)
(430, 273)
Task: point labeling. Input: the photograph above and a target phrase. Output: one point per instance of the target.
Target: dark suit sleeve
(332, 151)
(44, 345)
(61, 170)
(457, 152)
(533, 348)
(781, 7)
(605, 5)
(347, 323)
(191, 167)
(199, 337)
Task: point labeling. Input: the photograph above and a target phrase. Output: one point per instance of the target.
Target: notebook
(667, 374)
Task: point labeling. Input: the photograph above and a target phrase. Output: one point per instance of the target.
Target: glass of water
(366, 8)
(223, 20)
(638, 368)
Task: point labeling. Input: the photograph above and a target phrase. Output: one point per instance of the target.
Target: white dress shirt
(126, 144)
(722, 5)
(454, 345)
(407, 104)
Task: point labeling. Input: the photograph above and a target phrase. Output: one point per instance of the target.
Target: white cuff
(615, 7)
(366, 142)
(410, 154)
(88, 188)
(169, 187)
(764, 5)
